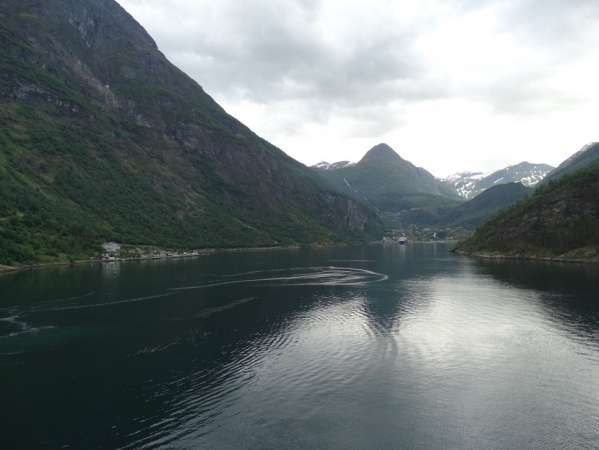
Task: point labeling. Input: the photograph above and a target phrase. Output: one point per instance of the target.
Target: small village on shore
(414, 233)
(113, 251)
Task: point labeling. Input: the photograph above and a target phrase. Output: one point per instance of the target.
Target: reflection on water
(365, 347)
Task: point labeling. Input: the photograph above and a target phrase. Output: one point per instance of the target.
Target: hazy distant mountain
(323, 165)
(385, 180)
(470, 184)
(589, 154)
(477, 210)
(472, 213)
(465, 182)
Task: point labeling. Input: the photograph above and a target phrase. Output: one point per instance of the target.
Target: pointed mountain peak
(381, 151)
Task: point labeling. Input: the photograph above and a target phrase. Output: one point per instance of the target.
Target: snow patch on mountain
(577, 154)
(465, 182)
(323, 165)
(470, 184)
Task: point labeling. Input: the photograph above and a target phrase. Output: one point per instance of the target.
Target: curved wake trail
(317, 276)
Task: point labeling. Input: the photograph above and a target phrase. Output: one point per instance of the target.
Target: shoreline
(211, 251)
(527, 258)
(203, 252)
(92, 261)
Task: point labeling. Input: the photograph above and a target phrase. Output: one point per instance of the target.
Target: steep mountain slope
(103, 138)
(562, 218)
(385, 180)
(588, 155)
(470, 184)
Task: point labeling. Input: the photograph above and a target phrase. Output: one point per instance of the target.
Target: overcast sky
(451, 85)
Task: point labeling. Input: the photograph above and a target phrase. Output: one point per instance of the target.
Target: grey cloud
(561, 30)
(522, 94)
(373, 121)
(277, 53)
(269, 55)
(279, 60)
(558, 25)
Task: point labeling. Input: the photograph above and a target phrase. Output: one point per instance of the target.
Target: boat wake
(12, 326)
(313, 276)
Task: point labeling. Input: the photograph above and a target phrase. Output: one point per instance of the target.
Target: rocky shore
(561, 258)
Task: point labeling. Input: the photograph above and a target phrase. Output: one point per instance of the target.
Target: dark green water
(342, 348)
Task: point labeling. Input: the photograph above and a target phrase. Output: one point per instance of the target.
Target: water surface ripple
(371, 347)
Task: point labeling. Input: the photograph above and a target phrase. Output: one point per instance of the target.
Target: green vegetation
(589, 156)
(389, 183)
(65, 190)
(116, 144)
(561, 218)
(476, 211)
(467, 215)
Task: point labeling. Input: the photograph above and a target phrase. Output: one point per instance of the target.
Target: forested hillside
(560, 219)
(390, 183)
(470, 214)
(101, 138)
(476, 211)
(588, 155)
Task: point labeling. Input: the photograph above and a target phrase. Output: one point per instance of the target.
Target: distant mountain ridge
(465, 182)
(386, 181)
(471, 184)
(477, 210)
(471, 213)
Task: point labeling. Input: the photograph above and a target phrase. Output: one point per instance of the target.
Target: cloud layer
(328, 79)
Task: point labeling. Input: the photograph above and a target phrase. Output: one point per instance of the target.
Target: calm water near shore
(371, 347)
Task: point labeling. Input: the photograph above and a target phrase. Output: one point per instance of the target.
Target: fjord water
(371, 347)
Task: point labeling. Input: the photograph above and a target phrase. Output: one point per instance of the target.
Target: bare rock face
(353, 215)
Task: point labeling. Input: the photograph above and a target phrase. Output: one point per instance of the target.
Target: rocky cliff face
(353, 215)
(113, 108)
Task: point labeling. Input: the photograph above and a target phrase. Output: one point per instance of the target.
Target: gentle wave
(202, 314)
(19, 327)
(99, 305)
(350, 260)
